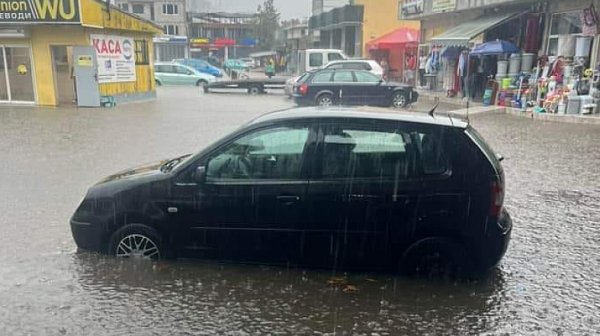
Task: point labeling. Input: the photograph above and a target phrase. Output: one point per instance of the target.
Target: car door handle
(288, 199)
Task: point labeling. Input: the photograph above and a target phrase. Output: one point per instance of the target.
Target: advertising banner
(40, 11)
(116, 58)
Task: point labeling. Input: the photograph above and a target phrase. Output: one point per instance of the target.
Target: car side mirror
(200, 174)
(190, 73)
(380, 82)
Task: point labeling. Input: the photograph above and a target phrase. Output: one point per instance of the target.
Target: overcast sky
(289, 9)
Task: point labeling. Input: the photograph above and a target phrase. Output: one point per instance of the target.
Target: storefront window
(568, 23)
(16, 78)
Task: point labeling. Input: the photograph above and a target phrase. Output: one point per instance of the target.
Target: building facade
(57, 50)
(222, 35)
(171, 15)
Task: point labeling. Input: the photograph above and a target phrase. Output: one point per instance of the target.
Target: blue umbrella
(497, 47)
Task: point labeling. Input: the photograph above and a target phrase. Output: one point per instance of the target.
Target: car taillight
(303, 89)
(496, 198)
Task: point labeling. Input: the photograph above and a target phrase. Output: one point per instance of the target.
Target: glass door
(3, 78)
(16, 74)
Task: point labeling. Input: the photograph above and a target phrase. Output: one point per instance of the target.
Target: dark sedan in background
(351, 87)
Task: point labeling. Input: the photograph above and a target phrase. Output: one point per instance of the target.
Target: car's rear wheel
(254, 90)
(136, 241)
(399, 100)
(436, 257)
(325, 100)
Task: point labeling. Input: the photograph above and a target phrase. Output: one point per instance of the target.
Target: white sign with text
(116, 58)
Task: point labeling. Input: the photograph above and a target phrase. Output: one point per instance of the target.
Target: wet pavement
(547, 284)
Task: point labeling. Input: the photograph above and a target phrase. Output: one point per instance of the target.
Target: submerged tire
(137, 241)
(436, 257)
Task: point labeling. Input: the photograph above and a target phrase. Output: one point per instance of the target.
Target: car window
(165, 69)
(322, 77)
(181, 70)
(431, 152)
(266, 154)
(334, 57)
(343, 77)
(366, 77)
(356, 152)
(315, 60)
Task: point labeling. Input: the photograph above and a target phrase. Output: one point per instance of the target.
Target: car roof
(365, 112)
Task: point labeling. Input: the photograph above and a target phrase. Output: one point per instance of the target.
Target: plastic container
(588, 109)
(582, 46)
(515, 63)
(502, 68)
(573, 105)
(585, 100)
(506, 83)
(527, 62)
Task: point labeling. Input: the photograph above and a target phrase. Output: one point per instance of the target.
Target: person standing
(386, 67)
(422, 67)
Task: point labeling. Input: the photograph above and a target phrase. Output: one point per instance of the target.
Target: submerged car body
(328, 188)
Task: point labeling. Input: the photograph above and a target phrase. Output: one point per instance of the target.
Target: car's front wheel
(137, 241)
(201, 83)
(399, 100)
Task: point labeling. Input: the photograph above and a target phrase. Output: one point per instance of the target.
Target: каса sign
(39, 11)
(116, 58)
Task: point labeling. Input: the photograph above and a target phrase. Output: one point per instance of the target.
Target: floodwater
(547, 284)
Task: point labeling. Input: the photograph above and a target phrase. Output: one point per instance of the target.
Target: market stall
(398, 53)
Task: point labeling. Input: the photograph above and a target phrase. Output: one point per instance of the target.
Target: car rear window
(487, 150)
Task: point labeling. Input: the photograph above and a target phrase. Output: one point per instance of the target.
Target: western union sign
(39, 11)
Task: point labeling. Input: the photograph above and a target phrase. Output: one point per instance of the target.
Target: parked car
(356, 64)
(250, 63)
(332, 188)
(351, 87)
(166, 73)
(351, 64)
(212, 60)
(237, 65)
(201, 66)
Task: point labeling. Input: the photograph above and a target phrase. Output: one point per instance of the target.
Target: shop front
(55, 52)
(397, 53)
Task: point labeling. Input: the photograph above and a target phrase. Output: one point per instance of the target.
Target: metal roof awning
(462, 34)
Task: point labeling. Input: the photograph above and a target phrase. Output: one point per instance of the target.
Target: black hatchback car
(351, 87)
(327, 188)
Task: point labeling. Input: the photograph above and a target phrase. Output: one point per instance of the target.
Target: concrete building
(222, 35)
(350, 25)
(171, 16)
(57, 52)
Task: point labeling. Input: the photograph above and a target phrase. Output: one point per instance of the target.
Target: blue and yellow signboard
(39, 11)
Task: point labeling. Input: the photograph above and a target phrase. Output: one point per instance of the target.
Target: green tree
(267, 24)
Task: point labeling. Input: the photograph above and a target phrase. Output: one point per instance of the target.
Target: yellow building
(38, 40)
(381, 17)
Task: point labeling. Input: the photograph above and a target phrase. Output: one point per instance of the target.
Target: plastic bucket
(515, 63)
(527, 62)
(502, 68)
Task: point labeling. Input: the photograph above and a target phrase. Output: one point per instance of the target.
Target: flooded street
(547, 284)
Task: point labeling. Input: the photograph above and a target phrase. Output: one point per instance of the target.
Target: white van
(311, 59)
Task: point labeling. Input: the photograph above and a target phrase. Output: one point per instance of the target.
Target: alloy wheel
(137, 246)
(399, 100)
(325, 101)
